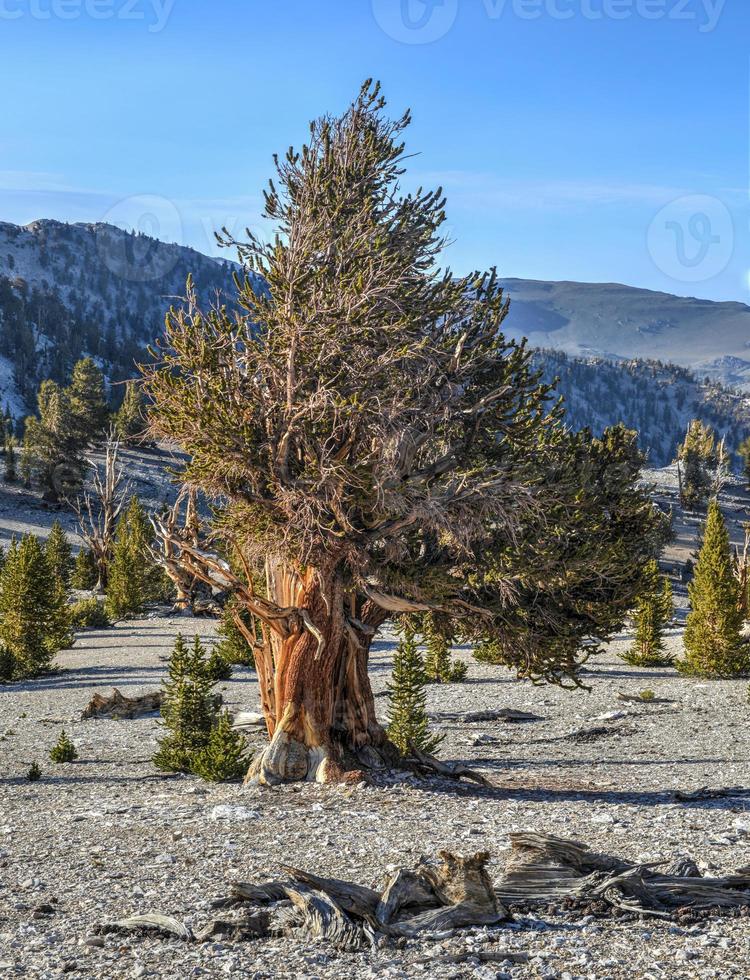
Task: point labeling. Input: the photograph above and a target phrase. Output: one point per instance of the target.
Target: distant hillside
(68, 290)
(656, 399)
(615, 322)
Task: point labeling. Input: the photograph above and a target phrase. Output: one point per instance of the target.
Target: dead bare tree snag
(98, 512)
(375, 447)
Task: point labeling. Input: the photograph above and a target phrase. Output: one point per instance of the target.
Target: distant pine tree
(29, 608)
(11, 474)
(188, 708)
(130, 420)
(653, 613)
(714, 646)
(439, 666)
(59, 554)
(133, 578)
(87, 403)
(34, 772)
(85, 572)
(223, 758)
(407, 702)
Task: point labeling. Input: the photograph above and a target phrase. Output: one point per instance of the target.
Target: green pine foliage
(133, 578)
(59, 554)
(188, 710)
(233, 647)
(64, 750)
(223, 758)
(11, 473)
(30, 609)
(439, 666)
(34, 772)
(714, 646)
(85, 573)
(87, 403)
(88, 614)
(130, 419)
(653, 613)
(408, 723)
(700, 458)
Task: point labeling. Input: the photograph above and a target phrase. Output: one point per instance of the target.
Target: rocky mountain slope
(656, 399)
(69, 290)
(614, 322)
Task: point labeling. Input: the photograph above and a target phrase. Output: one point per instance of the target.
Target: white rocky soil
(109, 835)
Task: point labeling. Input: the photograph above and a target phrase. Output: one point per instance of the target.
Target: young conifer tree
(653, 613)
(29, 608)
(188, 709)
(408, 723)
(132, 575)
(11, 473)
(439, 666)
(130, 418)
(58, 552)
(714, 646)
(223, 759)
(87, 402)
(85, 571)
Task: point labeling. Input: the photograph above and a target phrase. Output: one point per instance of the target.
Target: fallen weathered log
(152, 921)
(542, 869)
(508, 715)
(455, 894)
(706, 793)
(118, 707)
(425, 763)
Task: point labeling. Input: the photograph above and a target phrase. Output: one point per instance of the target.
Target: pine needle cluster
(199, 736)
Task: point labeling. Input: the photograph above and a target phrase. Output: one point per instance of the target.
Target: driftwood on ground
(543, 869)
(426, 764)
(457, 893)
(118, 707)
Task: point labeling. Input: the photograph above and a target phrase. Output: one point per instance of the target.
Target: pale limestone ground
(108, 835)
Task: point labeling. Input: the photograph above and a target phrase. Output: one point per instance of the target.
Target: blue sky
(598, 140)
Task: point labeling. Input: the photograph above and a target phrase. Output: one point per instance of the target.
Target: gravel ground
(108, 835)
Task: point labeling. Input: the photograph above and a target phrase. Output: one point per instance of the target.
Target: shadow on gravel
(87, 677)
(558, 792)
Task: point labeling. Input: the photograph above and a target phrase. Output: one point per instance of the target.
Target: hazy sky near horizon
(597, 140)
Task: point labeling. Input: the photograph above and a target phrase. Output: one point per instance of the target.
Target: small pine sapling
(714, 645)
(408, 723)
(64, 750)
(223, 758)
(188, 708)
(439, 666)
(85, 573)
(34, 773)
(653, 613)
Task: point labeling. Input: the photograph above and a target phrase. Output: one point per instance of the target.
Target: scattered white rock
(236, 814)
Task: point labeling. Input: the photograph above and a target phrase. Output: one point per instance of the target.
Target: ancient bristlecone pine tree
(377, 447)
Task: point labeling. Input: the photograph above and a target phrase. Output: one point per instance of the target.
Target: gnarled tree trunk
(315, 689)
